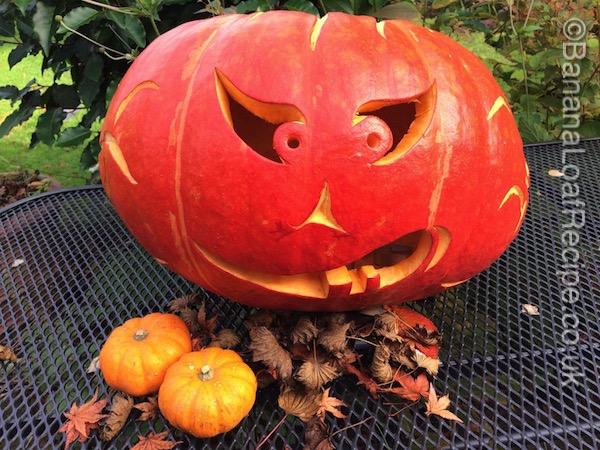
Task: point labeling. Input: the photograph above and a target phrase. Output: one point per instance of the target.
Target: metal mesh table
(70, 272)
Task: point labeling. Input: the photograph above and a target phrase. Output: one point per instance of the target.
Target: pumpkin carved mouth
(382, 267)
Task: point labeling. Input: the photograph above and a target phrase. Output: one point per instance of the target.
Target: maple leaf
(155, 441)
(297, 402)
(431, 365)
(304, 331)
(82, 419)
(331, 405)
(266, 349)
(190, 317)
(411, 388)
(225, 338)
(181, 303)
(439, 406)
(118, 413)
(363, 378)
(313, 375)
(149, 409)
(206, 325)
(334, 339)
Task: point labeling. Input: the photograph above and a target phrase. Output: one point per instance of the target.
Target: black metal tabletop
(70, 272)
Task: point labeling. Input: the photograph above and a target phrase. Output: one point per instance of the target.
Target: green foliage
(94, 42)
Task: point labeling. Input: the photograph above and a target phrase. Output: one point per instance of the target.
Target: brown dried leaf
(439, 406)
(313, 375)
(423, 336)
(117, 416)
(261, 318)
(387, 322)
(431, 365)
(333, 338)
(154, 442)
(316, 435)
(149, 409)
(555, 173)
(266, 349)
(181, 303)
(6, 354)
(304, 405)
(190, 317)
(380, 366)
(403, 355)
(225, 338)
(94, 365)
(304, 331)
(82, 419)
(331, 405)
(265, 377)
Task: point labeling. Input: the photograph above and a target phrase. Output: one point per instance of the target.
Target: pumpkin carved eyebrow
(254, 121)
(408, 120)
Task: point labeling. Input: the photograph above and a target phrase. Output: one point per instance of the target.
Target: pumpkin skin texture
(137, 354)
(290, 162)
(207, 392)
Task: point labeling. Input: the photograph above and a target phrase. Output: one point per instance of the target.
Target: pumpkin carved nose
(322, 214)
(373, 138)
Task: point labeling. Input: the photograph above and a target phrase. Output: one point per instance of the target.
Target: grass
(60, 163)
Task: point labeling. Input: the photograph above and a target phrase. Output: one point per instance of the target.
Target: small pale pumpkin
(137, 354)
(208, 392)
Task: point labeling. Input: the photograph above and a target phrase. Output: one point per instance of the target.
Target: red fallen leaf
(363, 378)
(154, 442)
(411, 388)
(330, 404)
(410, 321)
(82, 419)
(439, 406)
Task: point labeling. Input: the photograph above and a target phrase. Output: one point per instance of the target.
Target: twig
(264, 441)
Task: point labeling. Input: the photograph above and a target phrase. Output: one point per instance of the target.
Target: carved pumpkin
(137, 354)
(291, 162)
(207, 392)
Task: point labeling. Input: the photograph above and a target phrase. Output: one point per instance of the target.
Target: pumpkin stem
(206, 373)
(140, 335)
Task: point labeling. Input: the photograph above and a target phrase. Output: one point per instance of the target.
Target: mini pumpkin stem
(206, 373)
(140, 334)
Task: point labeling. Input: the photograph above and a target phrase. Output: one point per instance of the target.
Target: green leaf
(43, 18)
(301, 5)
(338, 5)
(439, 4)
(65, 96)
(532, 130)
(78, 17)
(590, 128)
(71, 137)
(378, 4)
(18, 53)
(22, 5)
(88, 89)
(403, 10)
(89, 157)
(16, 118)
(9, 93)
(49, 124)
(131, 25)
(475, 42)
(249, 6)
(7, 26)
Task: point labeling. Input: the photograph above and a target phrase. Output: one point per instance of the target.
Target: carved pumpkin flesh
(291, 162)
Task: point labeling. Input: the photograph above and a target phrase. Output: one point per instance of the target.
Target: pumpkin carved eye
(254, 121)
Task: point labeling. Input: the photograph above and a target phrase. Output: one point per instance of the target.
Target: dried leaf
(313, 375)
(380, 367)
(403, 354)
(155, 442)
(316, 435)
(532, 310)
(439, 406)
(261, 318)
(364, 379)
(266, 349)
(17, 262)
(118, 413)
(431, 365)
(94, 365)
(149, 409)
(190, 317)
(82, 419)
(265, 377)
(329, 404)
(372, 311)
(6, 354)
(181, 303)
(225, 338)
(333, 338)
(206, 325)
(304, 331)
(411, 388)
(303, 405)
(388, 322)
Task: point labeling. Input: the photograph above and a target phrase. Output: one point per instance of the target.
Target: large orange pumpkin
(291, 162)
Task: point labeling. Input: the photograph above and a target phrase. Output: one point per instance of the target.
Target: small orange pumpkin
(208, 392)
(137, 354)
